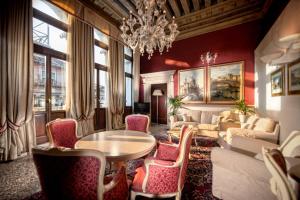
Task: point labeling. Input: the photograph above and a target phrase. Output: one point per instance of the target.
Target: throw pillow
(215, 119)
(186, 118)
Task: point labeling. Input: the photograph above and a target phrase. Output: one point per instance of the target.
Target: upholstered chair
(77, 174)
(62, 133)
(137, 122)
(280, 185)
(161, 178)
(167, 150)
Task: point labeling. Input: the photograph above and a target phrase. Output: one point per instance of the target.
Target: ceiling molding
(175, 8)
(185, 6)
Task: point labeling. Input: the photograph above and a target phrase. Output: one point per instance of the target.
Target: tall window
(101, 66)
(50, 48)
(128, 76)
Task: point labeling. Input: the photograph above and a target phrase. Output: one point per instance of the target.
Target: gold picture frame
(293, 74)
(192, 85)
(225, 83)
(277, 82)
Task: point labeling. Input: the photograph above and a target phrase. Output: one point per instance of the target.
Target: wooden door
(162, 104)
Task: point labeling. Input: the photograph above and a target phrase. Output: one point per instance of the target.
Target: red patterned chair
(169, 151)
(162, 178)
(137, 122)
(62, 133)
(77, 174)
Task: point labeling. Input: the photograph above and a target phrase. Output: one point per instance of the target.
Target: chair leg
(178, 196)
(132, 195)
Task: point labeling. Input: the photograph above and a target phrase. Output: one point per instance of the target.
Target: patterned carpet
(18, 179)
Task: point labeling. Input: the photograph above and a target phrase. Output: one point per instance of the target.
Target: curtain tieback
(14, 126)
(83, 118)
(3, 127)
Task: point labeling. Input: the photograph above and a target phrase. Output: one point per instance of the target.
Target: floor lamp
(157, 92)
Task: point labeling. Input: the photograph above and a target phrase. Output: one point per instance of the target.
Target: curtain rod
(84, 21)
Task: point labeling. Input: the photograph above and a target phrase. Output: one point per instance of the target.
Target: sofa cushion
(180, 123)
(215, 119)
(186, 118)
(265, 124)
(206, 116)
(251, 119)
(195, 114)
(210, 127)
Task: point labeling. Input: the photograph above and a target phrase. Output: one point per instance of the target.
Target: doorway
(161, 118)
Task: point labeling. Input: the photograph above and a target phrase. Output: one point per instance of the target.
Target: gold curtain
(116, 85)
(81, 74)
(17, 133)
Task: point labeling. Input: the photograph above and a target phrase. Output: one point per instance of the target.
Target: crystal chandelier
(149, 29)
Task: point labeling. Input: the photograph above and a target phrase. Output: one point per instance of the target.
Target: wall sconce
(208, 57)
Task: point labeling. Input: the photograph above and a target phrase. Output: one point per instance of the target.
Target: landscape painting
(277, 82)
(192, 85)
(294, 78)
(226, 83)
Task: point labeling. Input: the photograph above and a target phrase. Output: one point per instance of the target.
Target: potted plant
(175, 104)
(243, 109)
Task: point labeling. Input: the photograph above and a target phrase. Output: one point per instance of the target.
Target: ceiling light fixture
(149, 28)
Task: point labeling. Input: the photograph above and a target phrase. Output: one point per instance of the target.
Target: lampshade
(157, 92)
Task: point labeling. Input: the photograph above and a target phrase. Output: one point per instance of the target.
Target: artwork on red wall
(192, 85)
(226, 83)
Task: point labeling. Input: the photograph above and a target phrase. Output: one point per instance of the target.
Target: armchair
(77, 174)
(137, 122)
(62, 133)
(280, 185)
(161, 178)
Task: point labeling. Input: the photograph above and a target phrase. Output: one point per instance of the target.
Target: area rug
(18, 179)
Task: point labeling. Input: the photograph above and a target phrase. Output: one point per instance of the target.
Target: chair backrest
(291, 145)
(276, 165)
(62, 132)
(182, 133)
(183, 156)
(137, 122)
(70, 174)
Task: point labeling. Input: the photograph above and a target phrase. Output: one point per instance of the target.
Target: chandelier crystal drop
(149, 29)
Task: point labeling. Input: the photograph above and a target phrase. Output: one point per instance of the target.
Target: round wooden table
(119, 146)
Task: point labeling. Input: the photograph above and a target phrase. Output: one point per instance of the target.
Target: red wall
(232, 44)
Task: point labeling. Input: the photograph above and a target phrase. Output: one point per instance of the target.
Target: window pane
(128, 51)
(49, 36)
(100, 55)
(50, 10)
(103, 88)
(128, 66)
(100, 36)
(58, 84)
(128, 91)
(39, 87)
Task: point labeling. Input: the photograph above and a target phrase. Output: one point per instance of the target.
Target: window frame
(49, 54)
(128, 75)
(99, 67)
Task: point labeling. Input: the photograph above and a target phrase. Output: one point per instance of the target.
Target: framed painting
(294, 78)
(226, 83)
(277, 82)
(191, 85)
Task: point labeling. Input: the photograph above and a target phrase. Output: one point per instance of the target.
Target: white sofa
(208, 123)
(255, 127)
(240, 176)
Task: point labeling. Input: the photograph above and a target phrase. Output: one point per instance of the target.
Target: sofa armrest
(251, 144)
(240, 163)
